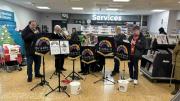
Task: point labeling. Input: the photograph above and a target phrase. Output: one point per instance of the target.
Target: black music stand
(104, 77)
(74, 75)
(41, 47)
(123, 54)
(105, 48)
(55, 73)
(43, 82)
(59, 87)
(56, 50)
(74, 55)
(88, 56)
(63, 45)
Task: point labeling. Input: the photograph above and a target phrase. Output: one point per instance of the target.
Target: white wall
(178, 15)
(46, 19)
(157, 20)
(172, 28)
(22, 15)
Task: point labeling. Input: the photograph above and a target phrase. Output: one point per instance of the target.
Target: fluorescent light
(158, 10)
(112, 9)
(179, 2)
(121, 0)
(77, 8)
(43, 7)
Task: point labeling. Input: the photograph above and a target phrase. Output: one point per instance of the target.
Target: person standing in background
(74, 30)
(59, 59)
(28, 35)
(176, 63)
(118, 38)
(162, 31)
(138, 45)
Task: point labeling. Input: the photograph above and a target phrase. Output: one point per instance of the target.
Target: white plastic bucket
(75, 87)
(123, 85)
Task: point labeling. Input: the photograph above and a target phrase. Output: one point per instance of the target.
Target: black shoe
(80, 72)
(29, 80)
(85, 73)
(63, 69)
(174, 92)
(114, 73)
(38, 75)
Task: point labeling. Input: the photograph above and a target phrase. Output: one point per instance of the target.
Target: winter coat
(176, 61)
(140, 46)
(28, 36)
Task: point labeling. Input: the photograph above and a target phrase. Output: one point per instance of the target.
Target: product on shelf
(172, 38)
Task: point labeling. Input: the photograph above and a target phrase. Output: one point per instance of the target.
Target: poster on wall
(88, 54)
(7, 18)
(6, 15)
(105, 45)
(64, 47)
(123, 50)
(55, 47)
(74, 49)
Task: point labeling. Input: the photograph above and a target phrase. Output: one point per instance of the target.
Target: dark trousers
(84, 67)
(116, 64)
(37, 63)
(59, 62)
(133, 68)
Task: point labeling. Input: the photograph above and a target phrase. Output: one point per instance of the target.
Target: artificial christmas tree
(5, 36)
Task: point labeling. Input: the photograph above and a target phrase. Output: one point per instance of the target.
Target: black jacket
(28, 37)
(119, 38)
(140, 45)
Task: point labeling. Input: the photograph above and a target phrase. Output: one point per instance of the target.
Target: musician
(138, 44)
(28, 35)
(118, 38)
(59, 59)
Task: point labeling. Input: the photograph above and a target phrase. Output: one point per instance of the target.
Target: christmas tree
(5, 37)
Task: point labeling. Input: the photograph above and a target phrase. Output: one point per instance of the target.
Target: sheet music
(64, 47)
(55, 47)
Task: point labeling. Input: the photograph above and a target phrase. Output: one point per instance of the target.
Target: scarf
(133, 43)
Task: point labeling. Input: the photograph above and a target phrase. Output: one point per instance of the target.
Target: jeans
(133, 68)
(116, 65)
(37, 63)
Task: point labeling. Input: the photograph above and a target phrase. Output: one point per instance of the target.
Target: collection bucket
(75, 87)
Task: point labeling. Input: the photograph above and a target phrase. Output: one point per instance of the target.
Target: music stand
(59, 87)
(105, 48)
(74, 55)
(123, 53)
(64, 49)
(41, 47)
(55, 50)
(43, 79)
(55, 73)
(88, 56)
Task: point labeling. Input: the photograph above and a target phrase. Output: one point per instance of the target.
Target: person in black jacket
(118, 38)
(138, 44)
(28, 35)
(59, 59)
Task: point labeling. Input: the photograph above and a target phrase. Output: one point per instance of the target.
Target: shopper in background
(176, 63)
(118, 38)
(162, 31)
(74, 30)
(59, 59)
(138, 44)
(28, 35)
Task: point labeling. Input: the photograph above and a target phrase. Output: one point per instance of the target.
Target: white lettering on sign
(107, 17)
